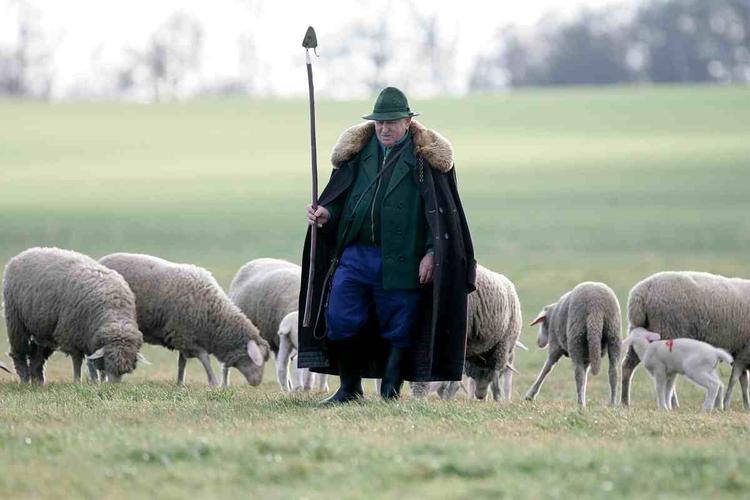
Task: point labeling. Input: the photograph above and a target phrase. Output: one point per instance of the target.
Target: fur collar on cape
(432, 146)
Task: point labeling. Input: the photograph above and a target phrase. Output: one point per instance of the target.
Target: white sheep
(702, 306)
(579, 325)
(493, 327)
(267, 291)
(665, 359)
(182, 307)
(62, 300)
(302, 378)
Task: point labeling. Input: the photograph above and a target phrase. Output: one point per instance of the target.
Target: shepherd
(394, 260)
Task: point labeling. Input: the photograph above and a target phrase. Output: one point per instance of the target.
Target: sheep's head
(119, 355)
(640, 335)
(250, 362)
(542, 339)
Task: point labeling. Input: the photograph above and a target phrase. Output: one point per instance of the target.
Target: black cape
(439, 338)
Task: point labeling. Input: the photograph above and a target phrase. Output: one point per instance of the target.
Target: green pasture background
(559, 186)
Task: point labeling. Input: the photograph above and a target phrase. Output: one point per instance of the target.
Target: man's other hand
(426, 267)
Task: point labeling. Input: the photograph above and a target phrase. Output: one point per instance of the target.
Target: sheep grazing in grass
(500, 384)
(182, 307)
(62, 300)
(665, 359)
(696, 305)
(267, 291)
(580, 325)
(493, 327)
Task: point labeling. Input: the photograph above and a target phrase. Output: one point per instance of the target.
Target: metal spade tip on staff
(311, 42)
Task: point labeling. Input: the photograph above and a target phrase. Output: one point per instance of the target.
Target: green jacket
(403, 234)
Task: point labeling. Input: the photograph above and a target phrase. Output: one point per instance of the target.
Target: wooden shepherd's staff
(311, 42)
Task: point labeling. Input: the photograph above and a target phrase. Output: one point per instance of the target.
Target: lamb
(62, 300)
(302, 378)
(582, 323)
(267, 291)
(493, 326)
(182, 307)
(701, 306)
(664, 359)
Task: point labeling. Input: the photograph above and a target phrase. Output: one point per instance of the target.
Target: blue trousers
(357, 289)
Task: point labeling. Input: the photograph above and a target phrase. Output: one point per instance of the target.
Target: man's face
(390, 132)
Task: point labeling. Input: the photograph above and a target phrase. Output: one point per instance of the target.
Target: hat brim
(393, 115)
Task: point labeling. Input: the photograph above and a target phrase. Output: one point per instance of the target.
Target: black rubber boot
(390, 387)
(349, 373)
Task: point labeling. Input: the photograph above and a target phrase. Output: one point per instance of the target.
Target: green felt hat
(391, 105)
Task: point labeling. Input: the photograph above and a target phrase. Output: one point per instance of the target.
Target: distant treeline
(634, 41)
(657, 41)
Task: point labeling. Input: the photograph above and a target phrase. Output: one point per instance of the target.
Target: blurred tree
(26, 64)
(435, 48)
(695, 40)
(662, 41)
(172, 53)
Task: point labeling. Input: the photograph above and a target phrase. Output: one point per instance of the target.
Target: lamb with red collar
(665, 359)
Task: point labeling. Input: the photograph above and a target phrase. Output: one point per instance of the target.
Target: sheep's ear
(254, 352)
(653, 336)
(3, 367)
(99, 353)
(539, 318)
(142, 359)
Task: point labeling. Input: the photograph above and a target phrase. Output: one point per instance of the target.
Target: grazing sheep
(493, 327)
(448, 390)
(696, 305)
(664, 359)
(182, 307)
(582, 323)
(267, 291)
(302, 378)
(62, 300)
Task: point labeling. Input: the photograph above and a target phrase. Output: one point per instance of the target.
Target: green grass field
(560, 186)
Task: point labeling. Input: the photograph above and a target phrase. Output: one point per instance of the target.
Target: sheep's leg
(669, 390)
(628, 367)
(675, 401)
(497, 389)
(508, 377)
(508, 383)
(552, 358)
(282, 363)
(737, 370)
(93, 371)
(206, 362)
(225, 375)
(20, 342)
(181, 362)
(322, 382)
(711, 383)
(306, 379)
(614, 369)
(660, 383)
(37, 362)
(581, 376)
(77, 359)
(744, 386)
